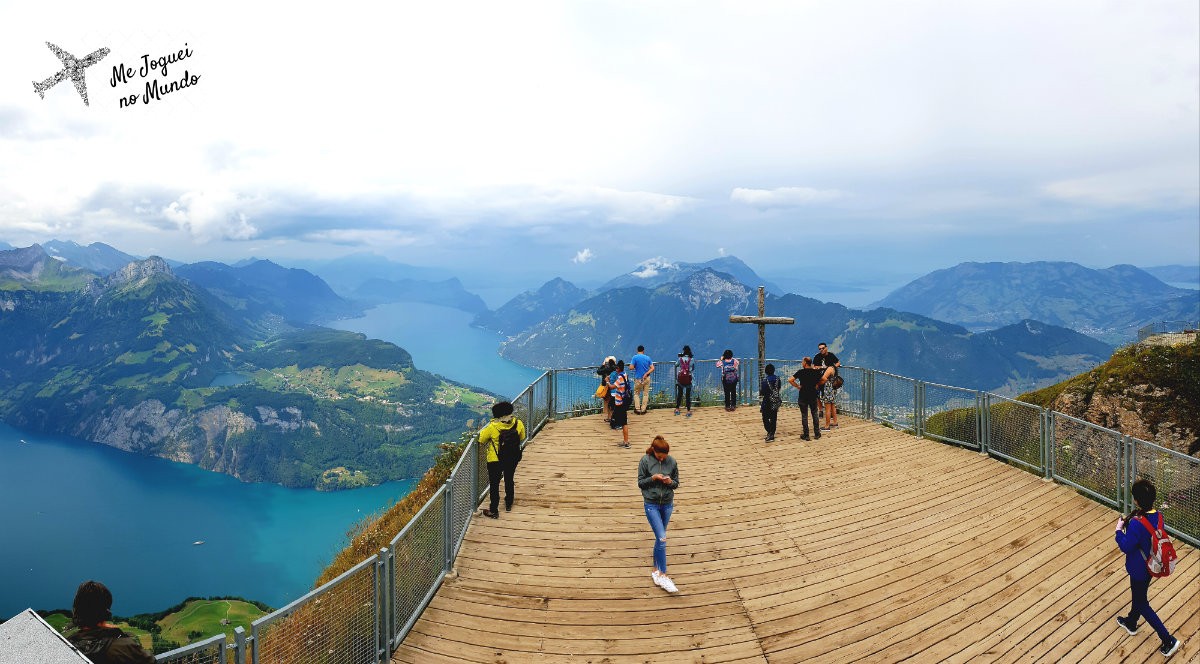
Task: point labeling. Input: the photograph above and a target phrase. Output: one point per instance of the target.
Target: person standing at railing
(1134, 541)
(619, 389)
(101, 641)
(502, 439)
(643, 366)
(683, 380)
(769, 392)
(728, 369)
(606, 369)
(828, 363)
(658, 477)
(808, 381)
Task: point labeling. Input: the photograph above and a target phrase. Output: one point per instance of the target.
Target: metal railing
(364, 614)
(1166, 327)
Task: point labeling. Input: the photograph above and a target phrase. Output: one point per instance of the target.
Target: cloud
(720, 251)
(783, 196)
(584, 255)
(1166, 185)
(650, 267)
(211, 215)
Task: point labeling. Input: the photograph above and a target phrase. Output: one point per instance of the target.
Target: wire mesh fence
(209, 651)
(337, 623)
(417, 563)
(462, 492)
(1087, 457)
(1014, 431)
(1177, 478)
(895, 400)
(575, 392)
(950, 414)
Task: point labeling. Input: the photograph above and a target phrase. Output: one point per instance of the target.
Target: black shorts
(620, 415)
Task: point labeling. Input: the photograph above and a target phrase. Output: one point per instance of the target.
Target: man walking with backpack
(769, 391)
(501, 439)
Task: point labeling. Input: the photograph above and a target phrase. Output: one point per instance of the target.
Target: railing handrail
(390, 628)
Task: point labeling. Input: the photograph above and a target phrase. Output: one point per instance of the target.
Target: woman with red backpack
(1137, 535)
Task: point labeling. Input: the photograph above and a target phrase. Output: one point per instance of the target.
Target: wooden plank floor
(869, 545)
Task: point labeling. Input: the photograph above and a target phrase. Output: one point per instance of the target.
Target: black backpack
(510, 444)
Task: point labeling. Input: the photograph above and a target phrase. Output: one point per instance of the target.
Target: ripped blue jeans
(659, 516)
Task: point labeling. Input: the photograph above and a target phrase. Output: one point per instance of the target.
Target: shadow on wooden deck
(868, 545)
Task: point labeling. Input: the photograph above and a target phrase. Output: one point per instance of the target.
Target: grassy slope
(1160, 383)
(205, 616)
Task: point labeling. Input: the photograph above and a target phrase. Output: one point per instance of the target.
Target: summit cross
(762, 321)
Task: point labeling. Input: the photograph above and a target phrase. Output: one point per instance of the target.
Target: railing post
(384, 605)
(447, 526)
(550, 385)
(1048, 441)
(239, 634)
(983, 416)
(919, 407)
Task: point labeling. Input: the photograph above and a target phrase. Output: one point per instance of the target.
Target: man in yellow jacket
(501, 439)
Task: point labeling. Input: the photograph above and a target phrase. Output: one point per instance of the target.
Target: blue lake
(442, 340)
(73, 511)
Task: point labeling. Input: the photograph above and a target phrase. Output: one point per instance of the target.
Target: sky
(576, 139)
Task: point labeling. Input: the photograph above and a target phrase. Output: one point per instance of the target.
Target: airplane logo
(72, 67)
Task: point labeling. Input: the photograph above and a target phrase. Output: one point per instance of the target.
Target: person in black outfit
(101, 641)
(808, 380)
(771, 401)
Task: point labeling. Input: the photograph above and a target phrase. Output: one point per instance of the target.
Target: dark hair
(687, 350)
(807, 360)
(823, 344)
(727, 354)
(92, 605)
(659, 444)
(502, 408)
(620, 365)
(641, 349)
(1144, 494)
(770, 369)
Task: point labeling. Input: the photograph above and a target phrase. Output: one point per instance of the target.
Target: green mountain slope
(1151, 392)
(128, 361)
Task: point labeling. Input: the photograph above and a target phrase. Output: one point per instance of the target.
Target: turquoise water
(72, 511)
(442, 340)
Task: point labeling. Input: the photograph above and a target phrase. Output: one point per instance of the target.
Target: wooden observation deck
(870, 545)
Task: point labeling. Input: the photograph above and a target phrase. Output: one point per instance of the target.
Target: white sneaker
(657, 577)
(667, 584)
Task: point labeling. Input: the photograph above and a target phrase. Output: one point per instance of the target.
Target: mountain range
(696, 310)
(1109, 304)
(129, 359)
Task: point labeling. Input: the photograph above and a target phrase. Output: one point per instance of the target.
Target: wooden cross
(762, 320)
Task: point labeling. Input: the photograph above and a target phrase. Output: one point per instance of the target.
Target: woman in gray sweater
(658, 477)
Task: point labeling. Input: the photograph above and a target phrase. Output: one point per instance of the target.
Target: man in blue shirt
(642, 368)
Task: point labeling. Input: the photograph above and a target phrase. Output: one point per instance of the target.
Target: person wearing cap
(94, 636)
(499, 464)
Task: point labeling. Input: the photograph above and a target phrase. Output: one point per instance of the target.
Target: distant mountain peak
(139, 270)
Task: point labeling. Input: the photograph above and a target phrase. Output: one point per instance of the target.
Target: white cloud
(651, 267)
(1166, 185)
(211, 215)
(783, 196)
(720, 251)
(584, 255)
